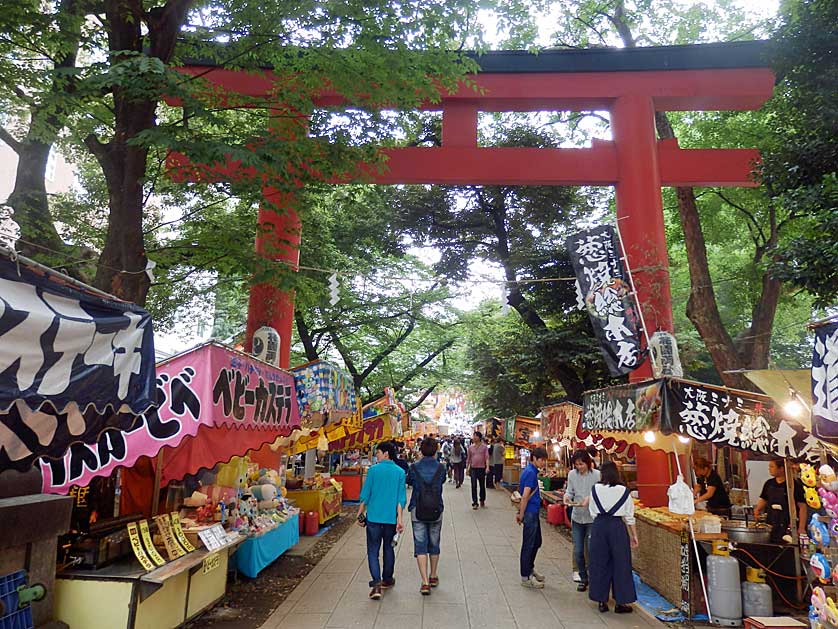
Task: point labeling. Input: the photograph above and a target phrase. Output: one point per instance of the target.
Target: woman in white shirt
(609, 563)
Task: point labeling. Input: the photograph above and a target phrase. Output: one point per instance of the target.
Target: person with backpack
(427, 478)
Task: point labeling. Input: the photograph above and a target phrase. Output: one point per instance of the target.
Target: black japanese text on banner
(605, 292)
(736, 419)
(825, 383)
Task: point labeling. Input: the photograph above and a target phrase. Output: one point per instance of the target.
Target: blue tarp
(656, 604)
(257, 553)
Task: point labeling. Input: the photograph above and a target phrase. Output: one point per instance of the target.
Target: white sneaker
(532, 584)
(538, 577)
(577, 578)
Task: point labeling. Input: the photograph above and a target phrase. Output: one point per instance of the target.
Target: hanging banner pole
(624, 258)
(695, 547)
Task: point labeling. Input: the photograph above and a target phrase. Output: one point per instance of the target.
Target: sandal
(425, 590)
(433, 581)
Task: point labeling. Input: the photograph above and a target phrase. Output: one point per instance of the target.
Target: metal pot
(739, 531)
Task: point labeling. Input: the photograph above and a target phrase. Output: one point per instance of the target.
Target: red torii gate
(629, 83)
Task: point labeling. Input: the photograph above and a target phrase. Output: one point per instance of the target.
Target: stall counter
(352, 483)
(258, 552)
(665, 559)
(124, 596)
(326, 501)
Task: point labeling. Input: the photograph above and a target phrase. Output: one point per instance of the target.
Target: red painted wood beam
(673, 90)
(560, 167)
(520, 167)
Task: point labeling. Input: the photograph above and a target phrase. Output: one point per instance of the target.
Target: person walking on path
(612, 508)
(528, 515)
(477, 462)
(383, 498)
(498, 456)
(458, 462)
(427, 478)
(580, 481)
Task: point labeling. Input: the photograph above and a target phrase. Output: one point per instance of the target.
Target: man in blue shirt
(383, 498)
(528, 515)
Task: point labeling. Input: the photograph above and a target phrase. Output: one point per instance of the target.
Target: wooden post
(158, 476)
(793, 522)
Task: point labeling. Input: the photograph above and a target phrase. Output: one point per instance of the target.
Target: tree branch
(9, 139)
(422, 398)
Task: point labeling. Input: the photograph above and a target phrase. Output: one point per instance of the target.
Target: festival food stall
(669, 415)
(74, 361)
(557, 423)
(520, 433)
(166, 561)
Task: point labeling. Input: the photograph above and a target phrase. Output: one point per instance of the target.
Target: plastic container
(757, 599)
(312, 525)
(724, 590)
(9, 583)
(21, 619)
(10, 616)
(555, 514)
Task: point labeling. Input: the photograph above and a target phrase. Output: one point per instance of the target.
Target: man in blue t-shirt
(383, 498)
(528, 515)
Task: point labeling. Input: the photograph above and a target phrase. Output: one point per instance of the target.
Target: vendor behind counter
(773, 501)
(710, 488)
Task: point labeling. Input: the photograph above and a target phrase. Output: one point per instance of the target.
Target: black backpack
(428, 500)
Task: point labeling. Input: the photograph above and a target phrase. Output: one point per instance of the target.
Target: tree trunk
(28, 200)
(566, 375)
(40, 239)
(305, 336)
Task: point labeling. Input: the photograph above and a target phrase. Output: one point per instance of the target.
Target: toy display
(244, 498)
(821, 545)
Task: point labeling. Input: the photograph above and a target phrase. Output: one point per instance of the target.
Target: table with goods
(321, 494)
(162, 571)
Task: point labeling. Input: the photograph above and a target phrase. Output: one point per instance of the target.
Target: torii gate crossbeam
(631, 84)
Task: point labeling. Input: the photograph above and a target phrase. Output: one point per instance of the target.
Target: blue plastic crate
(9, 584)
(21, 619)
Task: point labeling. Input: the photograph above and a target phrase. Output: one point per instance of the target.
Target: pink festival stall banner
(210, 385)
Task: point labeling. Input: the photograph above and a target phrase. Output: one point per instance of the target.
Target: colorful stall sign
(703, 412)
(149, 544)
(734, 418)
(209, 387)
(825, 383)
(71, 365)
(374, 431)
(557, 419)
(137, 547)
(179, 534)
(623, 408)
(604, 290)
(323, 390)
(164, 527)
(521, 430)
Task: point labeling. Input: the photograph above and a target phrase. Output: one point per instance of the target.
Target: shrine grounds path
(479, 583)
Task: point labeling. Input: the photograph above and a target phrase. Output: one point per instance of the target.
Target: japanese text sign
(71, 365)
(825, 383)
(209, 386)
(604, 290)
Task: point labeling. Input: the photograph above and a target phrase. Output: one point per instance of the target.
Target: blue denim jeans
(581, 534)
(376, 534)
(425, 536)
(530, 544)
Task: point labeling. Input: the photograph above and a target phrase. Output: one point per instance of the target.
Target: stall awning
(521, 430)
(215, 403)
(73, 363)
(558, 421)
(704, 412)
(326, 393)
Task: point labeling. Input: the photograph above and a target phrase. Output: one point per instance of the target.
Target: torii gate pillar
(640, 212)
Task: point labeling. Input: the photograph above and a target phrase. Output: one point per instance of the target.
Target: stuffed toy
(818, 531)
(812, 497)
(808, 475)
(821, 568)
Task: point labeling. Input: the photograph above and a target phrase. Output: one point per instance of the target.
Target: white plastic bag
(681, 498)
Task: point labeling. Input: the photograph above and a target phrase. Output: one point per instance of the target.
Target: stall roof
(215, 403)
(74, 362)
(777, 382)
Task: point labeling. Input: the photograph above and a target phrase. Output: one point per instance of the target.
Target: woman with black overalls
(609, 562)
